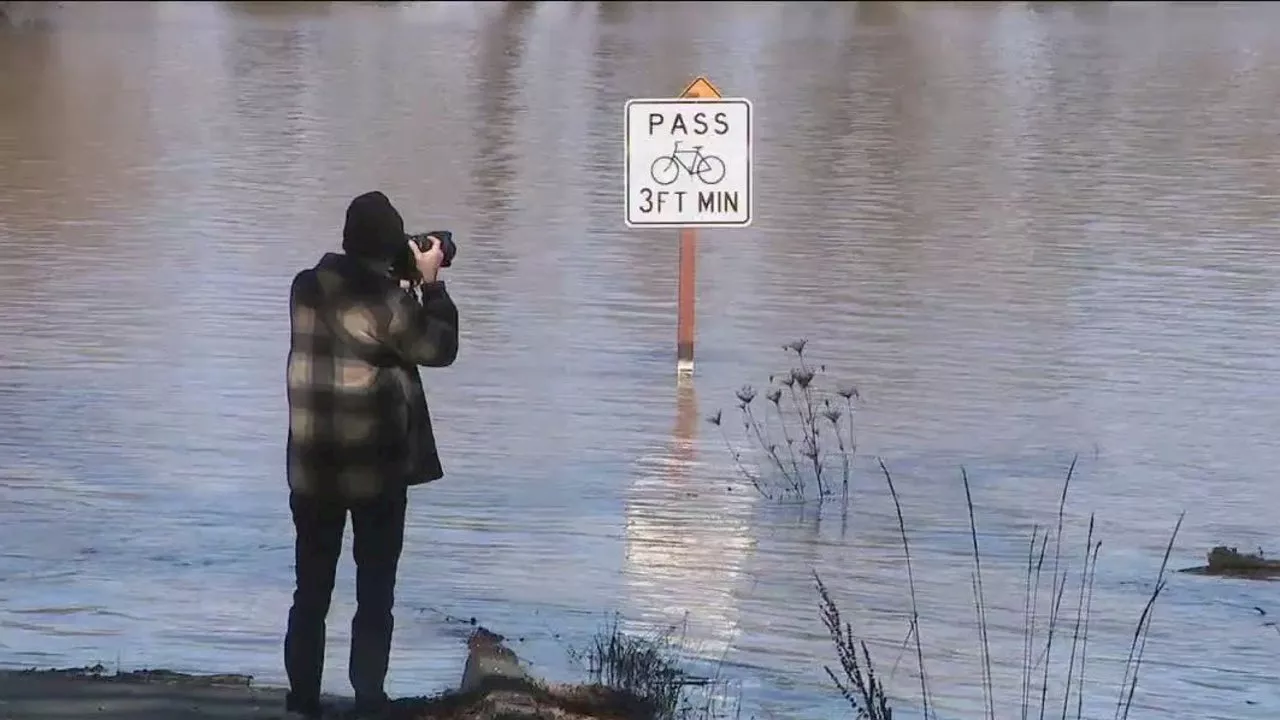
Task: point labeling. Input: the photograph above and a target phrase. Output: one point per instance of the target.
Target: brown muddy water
(1025, 230)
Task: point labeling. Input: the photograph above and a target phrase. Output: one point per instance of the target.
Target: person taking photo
(359, 434)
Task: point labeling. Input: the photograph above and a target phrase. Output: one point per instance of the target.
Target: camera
(405, 267)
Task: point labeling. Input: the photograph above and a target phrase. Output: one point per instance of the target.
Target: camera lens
(447, 246)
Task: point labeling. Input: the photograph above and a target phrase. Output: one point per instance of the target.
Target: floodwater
(1026, 231)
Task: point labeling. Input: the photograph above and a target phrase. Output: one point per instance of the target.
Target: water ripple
(1025, 232)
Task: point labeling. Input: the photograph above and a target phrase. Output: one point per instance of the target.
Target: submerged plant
(803, 425)
(651, 669)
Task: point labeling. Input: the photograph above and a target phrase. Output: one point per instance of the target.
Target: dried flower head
(774, 395)
(802, 377)
(714, 418)
(746, 394)
(848, 392)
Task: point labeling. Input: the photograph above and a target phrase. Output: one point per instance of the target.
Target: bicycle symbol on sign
(709, 169)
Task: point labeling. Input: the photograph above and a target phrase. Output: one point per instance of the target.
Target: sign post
(688, 166)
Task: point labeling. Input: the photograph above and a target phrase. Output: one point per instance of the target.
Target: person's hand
(428, 262)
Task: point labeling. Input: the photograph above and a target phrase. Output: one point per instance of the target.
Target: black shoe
(303, 710)
(370, 709)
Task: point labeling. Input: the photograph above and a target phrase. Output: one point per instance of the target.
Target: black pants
(379, 537)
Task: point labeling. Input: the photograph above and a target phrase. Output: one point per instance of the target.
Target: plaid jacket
(358, 418)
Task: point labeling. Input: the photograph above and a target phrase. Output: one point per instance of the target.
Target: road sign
(701, 88)
(689, 160)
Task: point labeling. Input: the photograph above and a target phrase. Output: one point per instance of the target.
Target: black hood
(374, 229)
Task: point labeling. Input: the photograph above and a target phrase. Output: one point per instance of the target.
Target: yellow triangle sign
(701, 89)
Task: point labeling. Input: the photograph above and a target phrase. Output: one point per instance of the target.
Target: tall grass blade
(911, 584)
(980, 601)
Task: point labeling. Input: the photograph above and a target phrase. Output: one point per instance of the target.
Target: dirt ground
(160, 695)
(80, 694)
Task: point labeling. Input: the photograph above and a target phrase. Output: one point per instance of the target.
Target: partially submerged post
(689, 166)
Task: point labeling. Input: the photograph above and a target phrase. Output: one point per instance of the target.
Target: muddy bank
(496, 688)
(90, 692)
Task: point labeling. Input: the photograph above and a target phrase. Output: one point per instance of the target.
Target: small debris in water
(1230, 562)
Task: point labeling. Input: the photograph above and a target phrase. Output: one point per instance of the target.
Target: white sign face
(689, 163)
